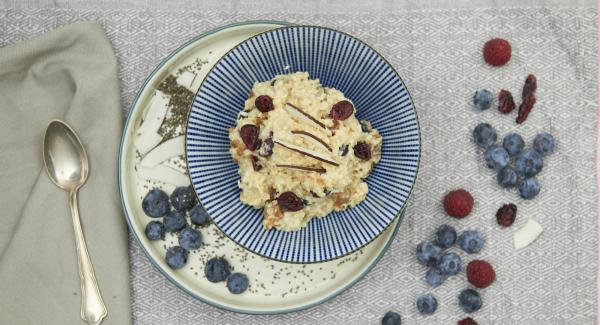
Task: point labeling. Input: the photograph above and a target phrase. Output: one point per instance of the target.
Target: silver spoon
(67, 166)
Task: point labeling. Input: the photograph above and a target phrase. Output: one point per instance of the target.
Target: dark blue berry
(190, 238)
(471, 241)
(469, 301)
(176, 257)
(183, 198)
(528, 163)
(156, 203)
(427, 304)
(450, 264)
(445, 236)
(174, 221)
(434, 277)
(483, 99)
(507, 177)
(155, 230)
(529, 188)
(391, 318)
(217, 269)
(199, 216)
(496, 157)
(544, 143)
(237, 283)
(428, 253)
(513, 143)
(484, 135)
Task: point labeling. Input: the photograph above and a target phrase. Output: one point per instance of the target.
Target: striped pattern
(339, 61)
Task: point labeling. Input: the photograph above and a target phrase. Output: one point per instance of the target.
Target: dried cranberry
(249, 134)
(362, 150)
(264, 103)
(256, 163)
(288, 201)
(506, 103)
(266, 147)
(528, 98)
(342, 110)
(529, 87)
(506, 215)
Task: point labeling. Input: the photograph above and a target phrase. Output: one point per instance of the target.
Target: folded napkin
(69, 74)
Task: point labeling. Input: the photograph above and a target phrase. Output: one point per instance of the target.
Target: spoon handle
(93, 309)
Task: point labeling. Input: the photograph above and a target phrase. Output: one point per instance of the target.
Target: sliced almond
(307, 152)
(319, 170)
(312, 139)
(303, 116)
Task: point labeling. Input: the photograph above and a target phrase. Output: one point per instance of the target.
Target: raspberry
(496, 52)
(458, 203)
(467, 321)
(480, 274)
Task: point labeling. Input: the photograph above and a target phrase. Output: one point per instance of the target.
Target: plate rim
(399, 215)
(127, 217)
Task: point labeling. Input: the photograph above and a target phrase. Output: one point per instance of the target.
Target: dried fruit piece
(506, 215)
(288, 201)
(264, 103)
(529, 87)
(266, 147)
(249, 134)
(497, 52)
(506, 103)
(256, 165)
(362, 150)
(528, 98)
(342, 110)
(467, 321)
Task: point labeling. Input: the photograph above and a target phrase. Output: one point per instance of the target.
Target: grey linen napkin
(69, 74)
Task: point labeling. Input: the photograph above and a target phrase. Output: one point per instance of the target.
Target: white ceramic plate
(275, 287)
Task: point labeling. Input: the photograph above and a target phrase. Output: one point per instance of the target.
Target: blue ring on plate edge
(127, 217)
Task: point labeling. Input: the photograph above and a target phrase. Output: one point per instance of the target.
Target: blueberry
(544, 143)
(445, 236)
(483, 99)
(190, 238)
(237, 283)
(427, 304)
(528, 163)
(450, 264)
(217, 269)
(496, 157)
(507, 177)
(199, 216)
(471, 241)
(434, 277)
(513, 143)
(428, 253)
(391, 318)
(484, 135)
(183, 198)
(174, 221)
(529, 188)
(156, 203)
(155, 230)
(176, 257)
(469, 301)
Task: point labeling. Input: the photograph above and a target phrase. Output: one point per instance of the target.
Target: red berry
(458, 203)
(467, 321)
(288, 201)
(480, 274)
(506, 215)
(341, 110)
(264, 103)
(362, 150)
(496, 52)
(249, 134)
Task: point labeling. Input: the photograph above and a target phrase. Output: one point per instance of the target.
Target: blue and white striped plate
(339, 61)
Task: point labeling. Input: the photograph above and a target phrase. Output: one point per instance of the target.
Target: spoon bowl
(64, 156)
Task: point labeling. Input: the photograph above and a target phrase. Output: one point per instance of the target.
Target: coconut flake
(146, 142)
(527, 234)
(305, 117)
(186, 79)
(164, 174)
(168, 149)
(307, 152)
(156, 113)
(313, 139)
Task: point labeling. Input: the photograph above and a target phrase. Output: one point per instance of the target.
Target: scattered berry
(174, 221)
(176, 257)
(427, 304)
(528, 98)
(342, 110)
(467, 321)
(528, 163)
(544, 144)
(513, 143)
(155, 230)
(469, 301)
(507, 177)
(506, 103)
(391, 318)
(249, 135)
(484, 135)
(529, 188)
(156, 203)
(199, 217)
(362, 150)
(496, 157)
(450, 264)
(428, 253)
(458, 203)
(506, 215)
(264, 103)
(288, 201)
(434, 277)
(471, 241)
(483, 99)
(217, 269)
(445, 236)
(237, 283)
(496, 52)
(183, 198)
(480, 274)
(190, 239)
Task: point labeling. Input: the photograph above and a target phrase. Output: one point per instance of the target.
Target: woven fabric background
(438, 54)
